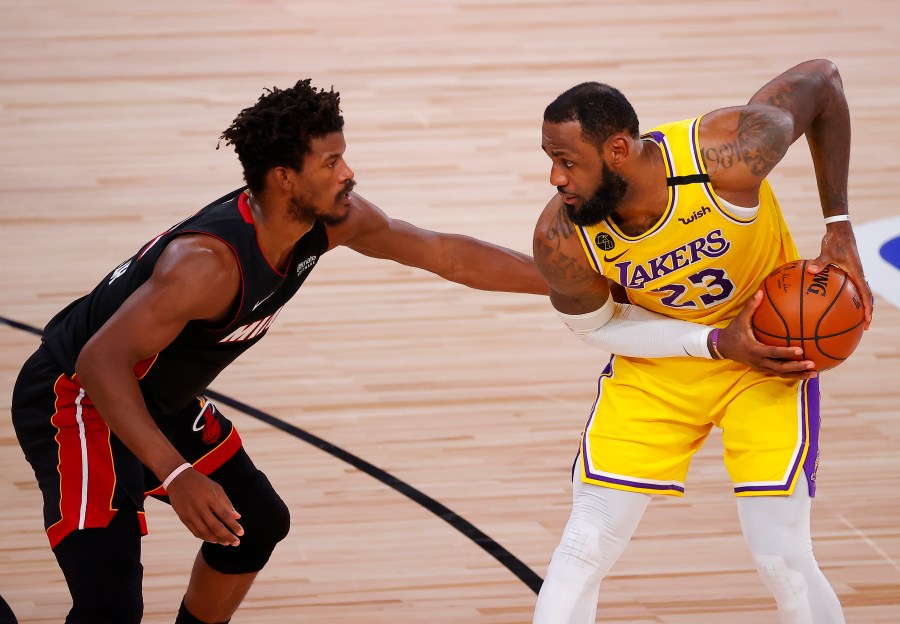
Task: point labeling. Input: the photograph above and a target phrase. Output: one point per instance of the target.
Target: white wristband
(174, 474)
(836, 218)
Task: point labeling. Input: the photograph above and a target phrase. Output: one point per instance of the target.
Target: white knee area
(581, 544)
(599, 528)
(788, 586)
(776, 529)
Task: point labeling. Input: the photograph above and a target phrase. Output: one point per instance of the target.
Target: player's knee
(582, 545)
(787, 585)
(266, 521)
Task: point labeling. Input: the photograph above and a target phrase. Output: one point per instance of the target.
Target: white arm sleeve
(631, 330)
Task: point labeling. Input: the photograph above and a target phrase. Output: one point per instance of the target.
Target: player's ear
(282, 178)
(617, 148)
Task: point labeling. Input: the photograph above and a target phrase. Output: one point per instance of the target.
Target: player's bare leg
(212, 596)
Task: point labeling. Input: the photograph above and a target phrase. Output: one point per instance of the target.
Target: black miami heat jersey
(177, 374)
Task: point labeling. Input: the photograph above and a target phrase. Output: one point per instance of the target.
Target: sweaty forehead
(561, 137)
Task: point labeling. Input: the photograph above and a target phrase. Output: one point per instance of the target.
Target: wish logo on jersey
(635, 275)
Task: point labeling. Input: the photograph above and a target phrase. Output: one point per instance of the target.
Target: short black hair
(276, 131)
(601, 110)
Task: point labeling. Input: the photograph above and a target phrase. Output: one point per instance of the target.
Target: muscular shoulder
(741, 145)
(201, 272)
(557, 247)
(198, 254)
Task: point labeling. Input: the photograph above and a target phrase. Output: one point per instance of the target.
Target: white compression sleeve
(631, 330)
(599, 528)
(776, 528)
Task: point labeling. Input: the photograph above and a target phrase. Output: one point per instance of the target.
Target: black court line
(495, 550)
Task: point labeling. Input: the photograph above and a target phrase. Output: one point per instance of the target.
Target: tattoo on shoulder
(759, 145)
(560, 227)
(556, 263)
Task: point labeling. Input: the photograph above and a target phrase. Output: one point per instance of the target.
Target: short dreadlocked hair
(601, 110)
(276, 131)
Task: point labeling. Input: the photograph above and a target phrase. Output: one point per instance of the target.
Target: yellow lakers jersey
(704, 257)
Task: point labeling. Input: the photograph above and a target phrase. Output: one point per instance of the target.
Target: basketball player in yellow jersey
(682, 225)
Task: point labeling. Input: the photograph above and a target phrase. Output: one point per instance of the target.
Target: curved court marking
(879, 250)
(495, 550)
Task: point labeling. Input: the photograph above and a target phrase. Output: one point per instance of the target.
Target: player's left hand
(839, 248)
(737, 342)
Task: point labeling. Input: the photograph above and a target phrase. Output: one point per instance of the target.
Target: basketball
(821, 313)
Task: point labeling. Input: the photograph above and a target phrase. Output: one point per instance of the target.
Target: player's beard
(302, 211)
(604, 202)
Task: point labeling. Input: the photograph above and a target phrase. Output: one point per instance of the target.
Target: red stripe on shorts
(87, 476)
(210, 462)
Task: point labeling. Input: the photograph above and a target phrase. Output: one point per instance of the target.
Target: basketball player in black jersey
(110, 408)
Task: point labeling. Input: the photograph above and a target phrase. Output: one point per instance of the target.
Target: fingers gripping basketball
(823, 313)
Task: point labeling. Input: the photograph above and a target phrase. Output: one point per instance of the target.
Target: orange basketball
(821, 313)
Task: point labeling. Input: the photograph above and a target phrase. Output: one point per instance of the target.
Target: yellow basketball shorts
(651, 416)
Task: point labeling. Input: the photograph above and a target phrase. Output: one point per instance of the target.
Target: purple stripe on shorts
(809, 411)
(814, 419)
(668, 487)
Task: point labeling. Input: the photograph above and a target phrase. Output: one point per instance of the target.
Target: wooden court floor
(109, 117)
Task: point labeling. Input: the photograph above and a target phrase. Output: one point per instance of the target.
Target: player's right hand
(737, 342)
(204, 508)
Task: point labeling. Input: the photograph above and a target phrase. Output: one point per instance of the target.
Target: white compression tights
(603, 520)
(599, 528)
(776, 529)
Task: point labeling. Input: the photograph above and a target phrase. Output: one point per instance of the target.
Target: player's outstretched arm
(463, 259)
(196, 277)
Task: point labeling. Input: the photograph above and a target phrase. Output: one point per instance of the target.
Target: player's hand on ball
(204, 508)
(736, 342)
(839, 248)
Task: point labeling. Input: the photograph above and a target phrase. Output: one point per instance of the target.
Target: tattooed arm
(582, 298)
(741, 145)
(575, 288)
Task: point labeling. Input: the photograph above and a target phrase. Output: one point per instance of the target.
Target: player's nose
(558, 177)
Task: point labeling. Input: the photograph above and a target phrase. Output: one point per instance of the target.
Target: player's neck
(648, 196)
(277, 232)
